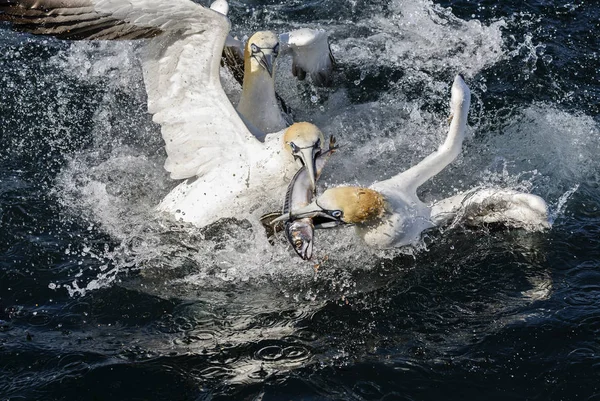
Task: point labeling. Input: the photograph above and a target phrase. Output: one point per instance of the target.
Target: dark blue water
(101, 300)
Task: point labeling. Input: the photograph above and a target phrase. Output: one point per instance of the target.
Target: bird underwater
(232, 160)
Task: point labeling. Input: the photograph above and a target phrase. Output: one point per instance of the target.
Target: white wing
(200, 126)
(310, 54)
(411, 179)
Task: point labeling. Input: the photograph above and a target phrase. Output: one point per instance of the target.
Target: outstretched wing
(103, 19)
(310, 54)
(411, 179)
(200, 126)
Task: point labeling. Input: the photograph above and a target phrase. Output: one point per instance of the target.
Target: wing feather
(201, 128)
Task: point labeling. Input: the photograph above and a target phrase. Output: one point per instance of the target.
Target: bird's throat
(258, 103)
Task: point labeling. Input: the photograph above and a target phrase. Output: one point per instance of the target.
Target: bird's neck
(258, 103)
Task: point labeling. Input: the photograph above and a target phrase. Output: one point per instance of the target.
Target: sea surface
(102, 298)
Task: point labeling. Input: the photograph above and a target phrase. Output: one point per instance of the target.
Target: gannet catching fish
(230, 171)
(300, 192)
(260, 174)
(390, 214)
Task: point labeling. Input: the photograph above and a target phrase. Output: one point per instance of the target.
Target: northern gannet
(228, 171)
(258, 104)
(254, 64)
(309, 48)
(310, 53)
(390, 214)
(246, 183)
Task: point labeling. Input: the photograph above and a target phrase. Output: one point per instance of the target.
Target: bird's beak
(319, 217)
(309, 159)
(266, 61)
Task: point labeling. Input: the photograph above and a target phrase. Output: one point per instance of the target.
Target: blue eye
(295, 148)
(254, 48)
(336, 213)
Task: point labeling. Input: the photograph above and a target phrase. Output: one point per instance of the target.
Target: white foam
(423, 38)
(558, 145)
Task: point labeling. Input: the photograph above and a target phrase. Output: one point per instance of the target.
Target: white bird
(230, 171)
(259, 105)
(174, 22)
(390, 214)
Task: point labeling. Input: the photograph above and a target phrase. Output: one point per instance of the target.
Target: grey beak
(267, 62)
(308, 156)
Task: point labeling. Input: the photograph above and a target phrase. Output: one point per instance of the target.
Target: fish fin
(271, 228)
(333, 144)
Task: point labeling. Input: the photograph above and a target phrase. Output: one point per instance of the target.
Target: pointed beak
(311, 210)
(309, 159)
(320, 218)
(266, 61)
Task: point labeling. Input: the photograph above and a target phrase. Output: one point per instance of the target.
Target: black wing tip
(72, 20)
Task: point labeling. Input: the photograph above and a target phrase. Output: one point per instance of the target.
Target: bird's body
(390, 214)
(258, 103)
(234, 190)
(256, 180)
(310, 54)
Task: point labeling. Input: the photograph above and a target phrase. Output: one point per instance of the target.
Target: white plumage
(390, 214)
(206, 140)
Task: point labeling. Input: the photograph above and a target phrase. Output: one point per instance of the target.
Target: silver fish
(300, 233)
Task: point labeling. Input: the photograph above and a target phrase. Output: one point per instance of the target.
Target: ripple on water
(283, 355)
(215, 372)
(74, 364)
(296, 353)
(269, 353)
(39, 319)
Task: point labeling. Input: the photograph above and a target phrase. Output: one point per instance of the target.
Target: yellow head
(303, 135)
(350, 205)
(261, 51)
(305, 141)
(356, 204)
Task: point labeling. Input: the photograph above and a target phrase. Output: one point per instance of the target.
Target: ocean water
(101, 298)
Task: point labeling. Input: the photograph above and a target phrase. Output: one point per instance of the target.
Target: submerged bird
(390, 214)
(229, 161)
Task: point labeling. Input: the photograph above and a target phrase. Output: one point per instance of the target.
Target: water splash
(559, 209)
(408, 51)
